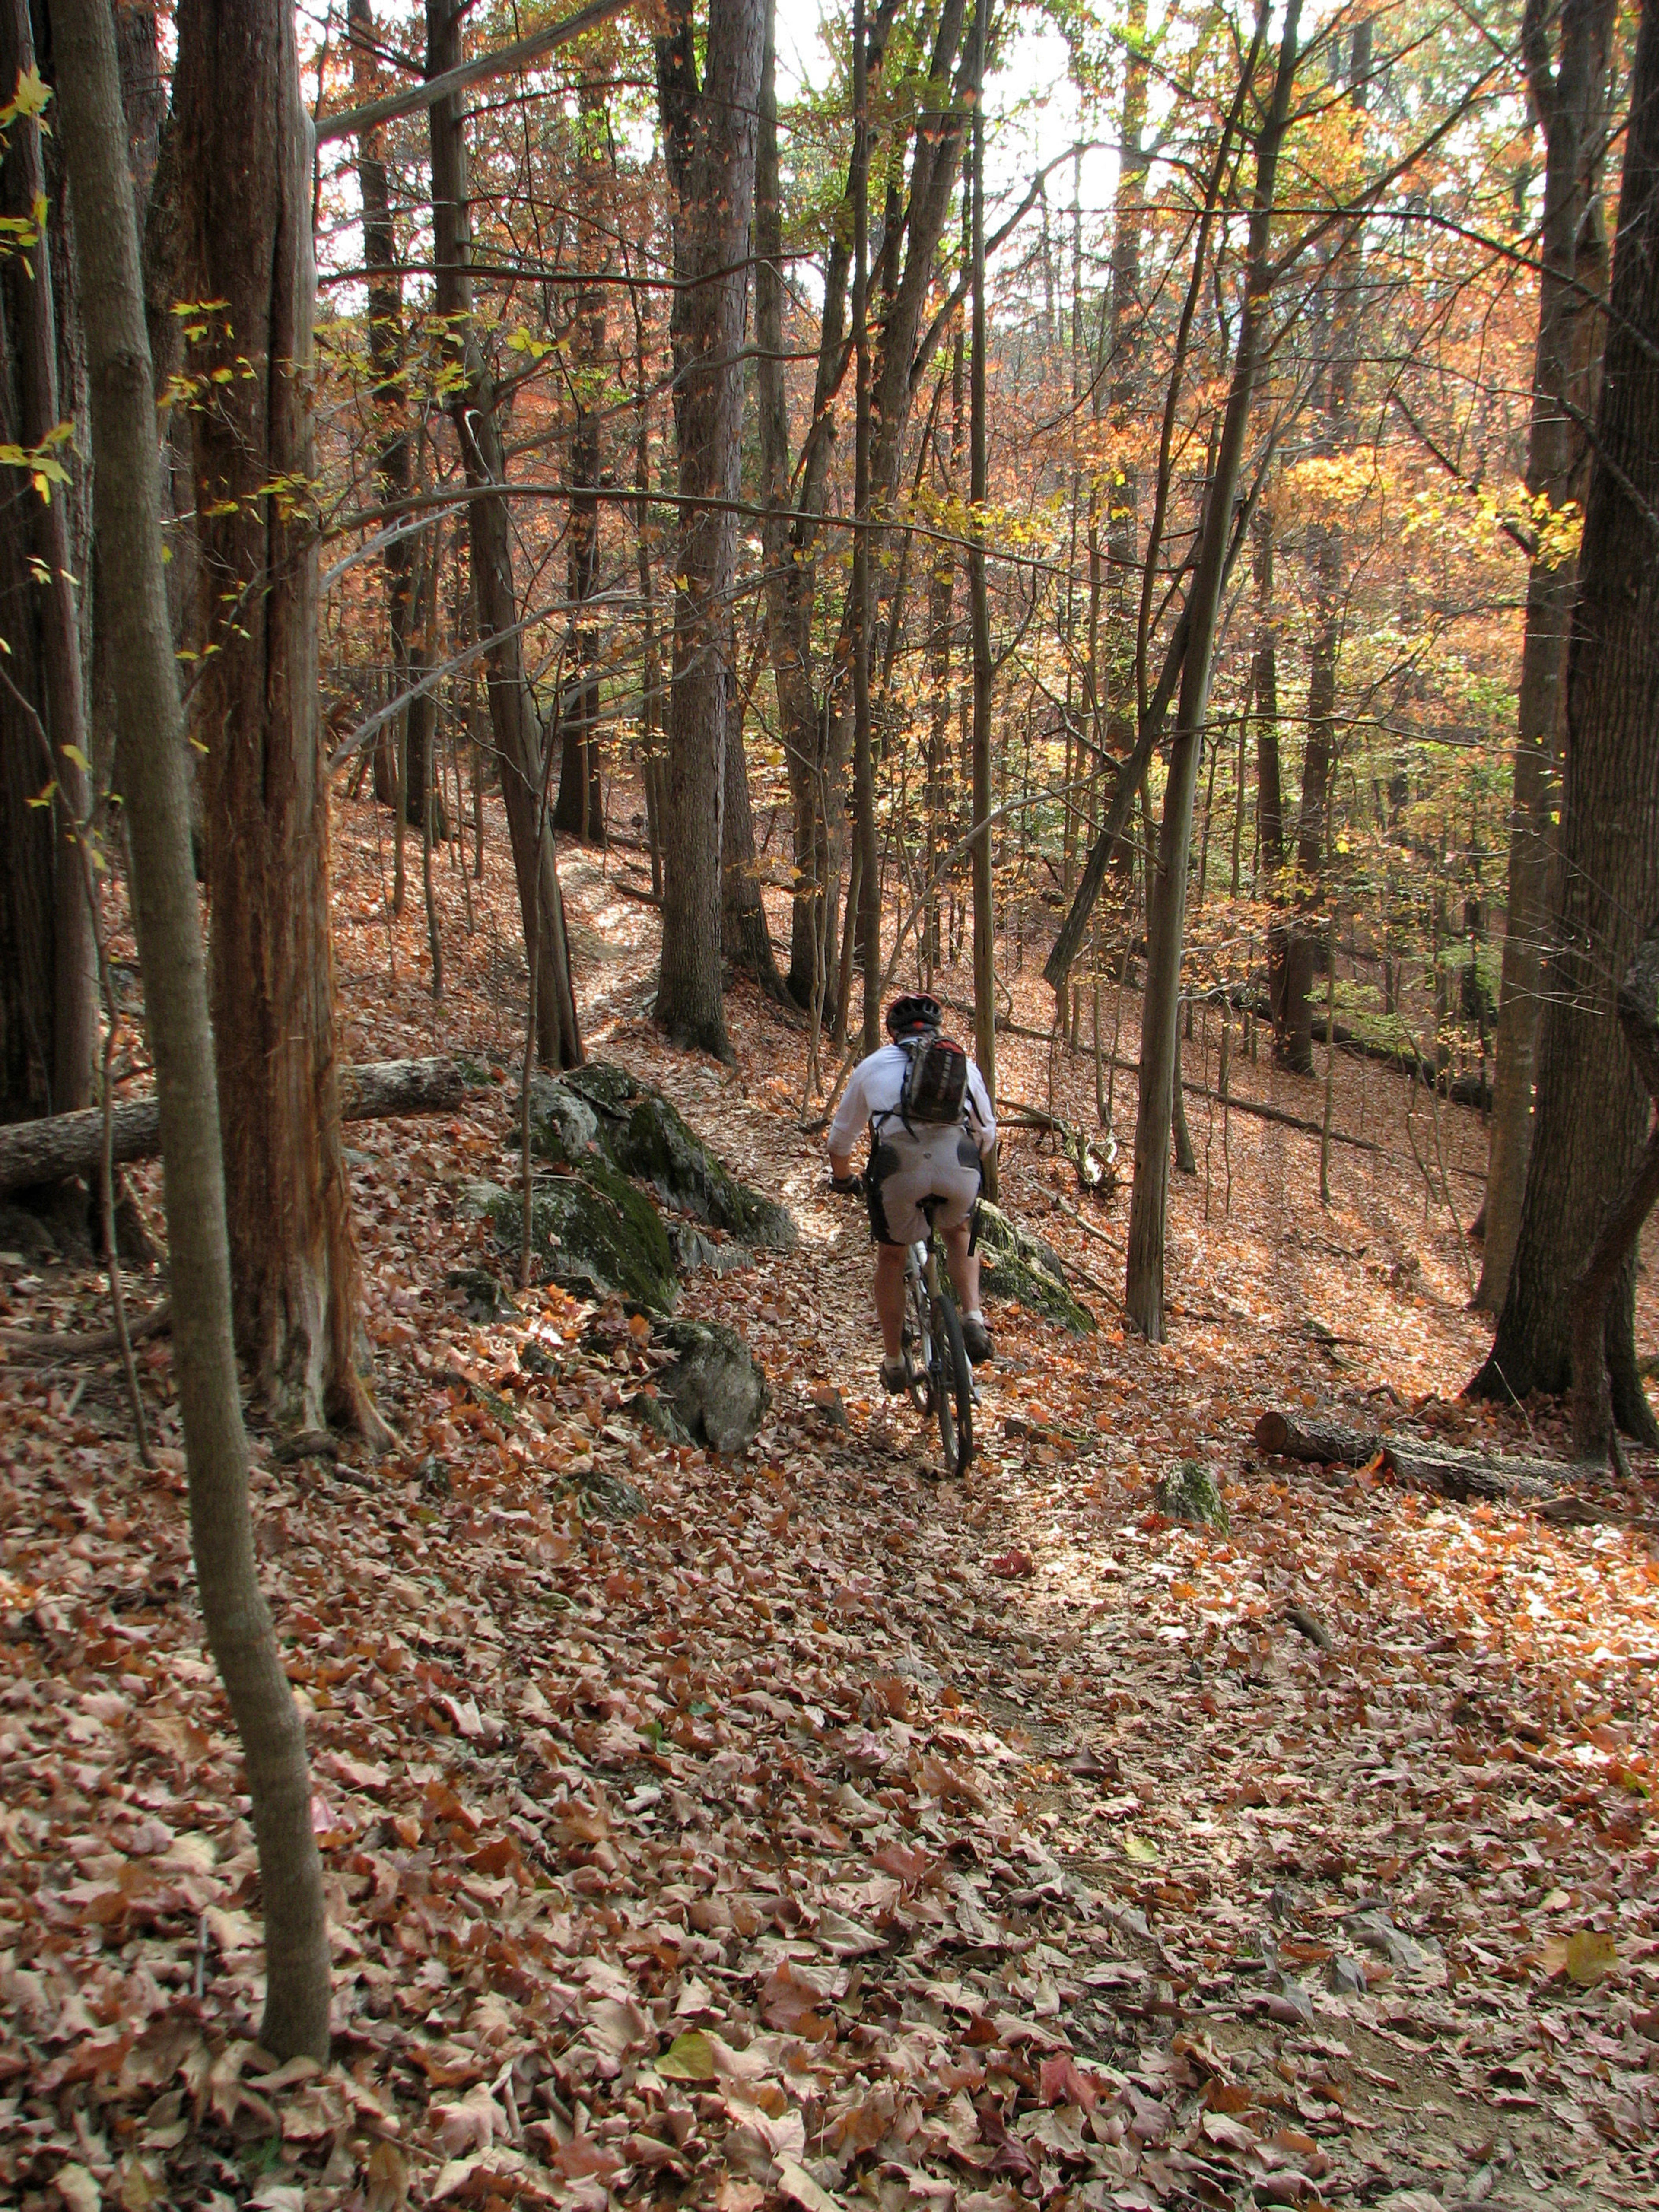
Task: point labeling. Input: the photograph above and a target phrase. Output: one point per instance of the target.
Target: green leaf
(1138, 1849)
(689, 2057)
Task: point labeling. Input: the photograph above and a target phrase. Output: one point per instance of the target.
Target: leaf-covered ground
(822, 1833)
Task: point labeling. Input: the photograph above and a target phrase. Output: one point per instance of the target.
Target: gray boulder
(716, 1388)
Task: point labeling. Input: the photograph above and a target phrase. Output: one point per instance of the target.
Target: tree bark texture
(245, 151)
(744, 932)
(62, 1145)
(127, 491)
(1592, 1107)
(48, 1024)
(1167, 891)
(513, 721)
(1454, 1474)
(1620, 1232)
(709, 134)
(1571, 102)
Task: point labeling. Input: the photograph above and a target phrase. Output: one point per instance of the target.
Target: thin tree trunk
(245, 150)
(744, 925)
(392, 455)
(985, 984)
(1167, 892)
(1337, 312)
(512, 712)
(127, 491)
(579, 811)
(867, 928)
(74, 1025)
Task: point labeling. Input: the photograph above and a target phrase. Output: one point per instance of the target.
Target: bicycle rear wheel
(951, 1380)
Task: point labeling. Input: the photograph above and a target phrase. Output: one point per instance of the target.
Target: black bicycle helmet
(916, 1010)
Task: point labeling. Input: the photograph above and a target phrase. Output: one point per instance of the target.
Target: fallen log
(1444, 1467)
(60, 1144)
(45, 1344)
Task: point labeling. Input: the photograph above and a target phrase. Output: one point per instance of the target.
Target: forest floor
(825, 1833)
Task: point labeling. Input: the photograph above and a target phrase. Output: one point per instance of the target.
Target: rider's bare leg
(890, 1298)
(963, 1266)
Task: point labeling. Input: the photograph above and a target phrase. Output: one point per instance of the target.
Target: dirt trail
(825, 1832)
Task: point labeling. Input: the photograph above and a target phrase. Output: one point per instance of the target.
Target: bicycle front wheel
(952, 1386)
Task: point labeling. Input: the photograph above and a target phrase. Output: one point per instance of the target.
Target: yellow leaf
(33, 93)
(1138, 1849)
(1591, 1954)
(689, 2057)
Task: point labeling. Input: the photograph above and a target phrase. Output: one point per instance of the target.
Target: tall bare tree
(1143, 1296)
(129, 502)
(513, 721)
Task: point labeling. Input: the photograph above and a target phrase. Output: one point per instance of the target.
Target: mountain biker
(911, 1160)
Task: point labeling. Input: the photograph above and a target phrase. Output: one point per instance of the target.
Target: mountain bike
(938, 1379)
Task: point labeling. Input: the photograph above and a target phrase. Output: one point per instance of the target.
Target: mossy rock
(561, 1125)
(645, 1135)
(1017, 1265)
(716, 1388)
(1192, 1495)
(591, 1232)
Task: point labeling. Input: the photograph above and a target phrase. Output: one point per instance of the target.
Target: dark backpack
(935, 1081)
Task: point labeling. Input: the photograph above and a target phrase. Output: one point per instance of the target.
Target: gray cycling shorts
(903, 1171)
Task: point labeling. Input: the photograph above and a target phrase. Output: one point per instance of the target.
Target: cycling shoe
(976, 1340)
(895, 1377)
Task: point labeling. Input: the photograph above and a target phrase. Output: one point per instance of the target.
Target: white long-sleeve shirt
(876, 1086)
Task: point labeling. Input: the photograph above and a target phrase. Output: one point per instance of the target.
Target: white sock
(976, 1315)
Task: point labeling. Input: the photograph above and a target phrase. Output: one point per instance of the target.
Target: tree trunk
(788, 542)
(1570, 103)
(985, 982)
(513, 717)
(1308, 949)
(709, 135)
(1592, 1107)
(245, 149)
(1167, 892)
(1616, 1243)
(580, 809)
(393, 470)
(1269, 796)
(867, 928)
(48, 1022)
(743, 922)
(238, 1623)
